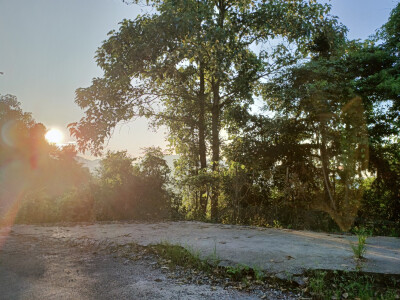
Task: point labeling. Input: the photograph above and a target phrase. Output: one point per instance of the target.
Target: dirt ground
(43, 267)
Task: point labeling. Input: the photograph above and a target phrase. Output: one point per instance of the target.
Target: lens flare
(6, 133)
(11, 194)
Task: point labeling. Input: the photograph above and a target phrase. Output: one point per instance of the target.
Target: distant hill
(92, 165)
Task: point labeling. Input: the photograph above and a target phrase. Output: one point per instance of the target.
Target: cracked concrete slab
(40, 268)
(277, 251)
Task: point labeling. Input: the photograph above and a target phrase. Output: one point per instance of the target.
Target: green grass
(187, 257)
(352, 285)
(178, 255)
(317, 284)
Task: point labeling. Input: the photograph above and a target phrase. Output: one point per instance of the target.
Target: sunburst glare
(54, 136)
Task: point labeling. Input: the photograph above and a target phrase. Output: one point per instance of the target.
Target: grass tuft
(360, 249)
(185, 257)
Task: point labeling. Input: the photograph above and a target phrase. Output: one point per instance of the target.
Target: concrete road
(33, 267)
(277, 251)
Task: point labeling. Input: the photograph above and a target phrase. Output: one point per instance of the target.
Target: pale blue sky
(47, 49)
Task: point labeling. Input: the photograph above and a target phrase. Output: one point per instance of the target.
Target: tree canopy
(188, 65)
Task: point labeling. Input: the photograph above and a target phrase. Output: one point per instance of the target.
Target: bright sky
(47, 49)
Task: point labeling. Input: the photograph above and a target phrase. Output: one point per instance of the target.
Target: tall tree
(195, 59)
(376, 69)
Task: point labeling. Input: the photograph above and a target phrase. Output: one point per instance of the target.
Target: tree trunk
(215, 120)
(215, 126)
(202, 142)
(325, 171)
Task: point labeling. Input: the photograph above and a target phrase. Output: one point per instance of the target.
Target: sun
(54, 136)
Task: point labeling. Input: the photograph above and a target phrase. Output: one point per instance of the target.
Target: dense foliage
(126, 191)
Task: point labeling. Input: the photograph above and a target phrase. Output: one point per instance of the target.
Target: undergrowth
(352, 285)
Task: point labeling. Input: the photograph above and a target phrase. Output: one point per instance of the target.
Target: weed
(236, 272)
(258, 274)
(317, 284)
(359, 249)
(244, 273)
(277, 224)
(214, 259)
(289, 276)
(178, 255)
